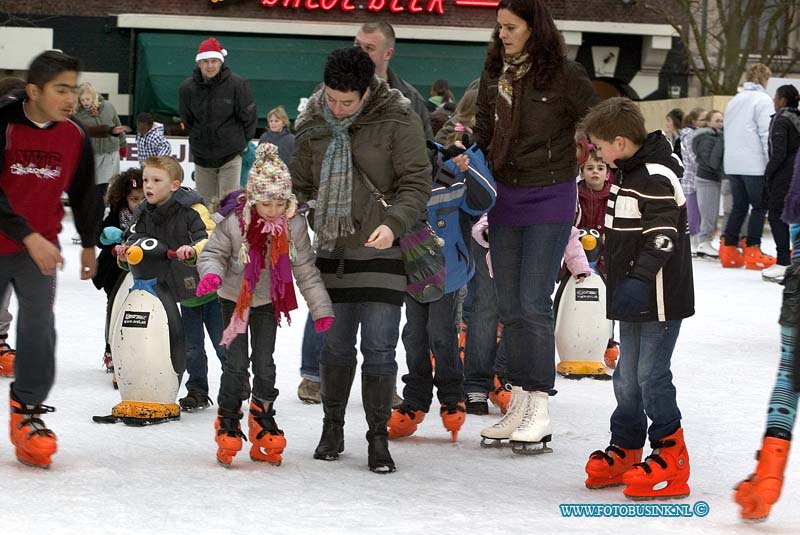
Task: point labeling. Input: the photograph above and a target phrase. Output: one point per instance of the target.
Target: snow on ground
(165, 479)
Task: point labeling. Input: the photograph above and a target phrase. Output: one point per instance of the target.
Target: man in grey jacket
(218, 133)
(377, 39)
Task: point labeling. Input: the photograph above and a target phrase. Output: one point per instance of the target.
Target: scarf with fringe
(261, 238)
(333, 213)
(507, 106)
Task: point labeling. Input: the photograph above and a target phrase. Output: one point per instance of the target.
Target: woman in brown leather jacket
(530, 99)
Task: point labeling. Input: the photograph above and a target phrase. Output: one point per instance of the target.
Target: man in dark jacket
(218, 109)
(377, 40)
(650, 292)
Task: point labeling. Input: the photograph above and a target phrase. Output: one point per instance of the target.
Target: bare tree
(722, 36)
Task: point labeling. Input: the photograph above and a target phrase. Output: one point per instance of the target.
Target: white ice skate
(706, 250)
(535, 430)
(493, 437)
(773, 273)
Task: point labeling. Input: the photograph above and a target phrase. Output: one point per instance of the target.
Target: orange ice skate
(605, 468)
(760, 490)
(34, 442)
(453, 416)
(668, 463)
(404, 421)
(267, 441)
(228, 437)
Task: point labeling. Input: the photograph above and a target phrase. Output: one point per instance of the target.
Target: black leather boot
(377, 392)
(335, 383)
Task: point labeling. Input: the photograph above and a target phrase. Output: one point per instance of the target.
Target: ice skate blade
(494, 442)
(272, 462)
(599, 486)
(531, 448)
(658, 497)
(326, 456)
(28, 462)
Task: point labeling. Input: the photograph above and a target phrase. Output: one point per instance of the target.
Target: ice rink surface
(164, 479)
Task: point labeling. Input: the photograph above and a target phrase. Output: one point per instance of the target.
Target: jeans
(643, 383)
(196, 360)
(482, 356)
(235, 384)
(526, 262)
(747, 190)
(777, 189)
(310, 353)
(380, 330)
(216, 182)
(708, 194)
(35, 365)
(432, 328)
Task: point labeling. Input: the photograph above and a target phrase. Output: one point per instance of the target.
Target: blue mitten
(631, 298)
(110, 236)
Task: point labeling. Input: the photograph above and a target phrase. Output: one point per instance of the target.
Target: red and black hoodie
(38, 164)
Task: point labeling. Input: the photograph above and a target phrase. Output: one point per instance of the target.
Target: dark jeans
(380, 329)
(196, 360)
(313, 342)
(483, 358)
(780, 233)
(235, 384)
(430, 328)
(526, 262)
(100, 204)
(747, 190)
(35, 364)
(643, 383)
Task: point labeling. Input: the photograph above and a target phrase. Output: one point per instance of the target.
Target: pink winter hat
(211, 49)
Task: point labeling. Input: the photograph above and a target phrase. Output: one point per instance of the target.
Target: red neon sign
(393, 6)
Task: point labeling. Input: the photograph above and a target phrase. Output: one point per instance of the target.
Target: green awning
(282, 69)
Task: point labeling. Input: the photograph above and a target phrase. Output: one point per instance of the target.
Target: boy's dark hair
(145, 119)
(349, 69)
(121, 186)
(617, 116)
(50, 64)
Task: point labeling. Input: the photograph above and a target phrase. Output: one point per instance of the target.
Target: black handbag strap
(374, 191)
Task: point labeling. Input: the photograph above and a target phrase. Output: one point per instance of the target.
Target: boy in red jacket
(43, 153)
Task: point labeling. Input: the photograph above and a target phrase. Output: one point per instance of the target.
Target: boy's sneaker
(195, 401)
(308, 392)
(7, 356)
(774, 273)
(477, 404)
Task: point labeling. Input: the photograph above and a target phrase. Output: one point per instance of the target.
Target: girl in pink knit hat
(249, 261)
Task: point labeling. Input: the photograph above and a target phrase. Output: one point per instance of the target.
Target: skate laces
(267, 422)
(33, 421)
(452, 408)
(600, 454)
(230, 427)
(655, 457)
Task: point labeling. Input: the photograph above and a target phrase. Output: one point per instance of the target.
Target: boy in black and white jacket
(650, 291)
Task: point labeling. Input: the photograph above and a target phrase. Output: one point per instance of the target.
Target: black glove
(631, 298)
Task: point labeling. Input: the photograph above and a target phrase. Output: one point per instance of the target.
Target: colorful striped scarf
(263, 237)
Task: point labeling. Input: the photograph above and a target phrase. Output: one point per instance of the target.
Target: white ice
(164, 479)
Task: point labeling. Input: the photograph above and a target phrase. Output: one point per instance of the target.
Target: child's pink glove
(209, 283)
(323, 324)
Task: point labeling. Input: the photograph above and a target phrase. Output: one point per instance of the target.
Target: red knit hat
(211, 49)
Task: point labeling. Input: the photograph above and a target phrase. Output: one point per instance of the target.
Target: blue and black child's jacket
(457, 199)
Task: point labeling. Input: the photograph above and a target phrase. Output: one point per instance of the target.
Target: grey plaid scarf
(332, 215)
